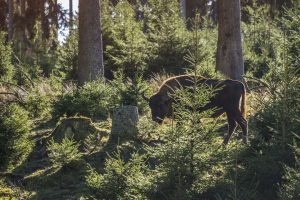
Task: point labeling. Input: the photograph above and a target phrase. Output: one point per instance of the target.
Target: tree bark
(229, 59)
(90, 66)
(53, 21)
(183, 9)
(70, 16)
(10, 19)
(45, 21)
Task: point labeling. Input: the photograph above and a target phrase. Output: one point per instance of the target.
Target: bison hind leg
(244, 126)
(231, 127)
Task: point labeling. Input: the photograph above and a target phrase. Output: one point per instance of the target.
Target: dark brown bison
(226, 99)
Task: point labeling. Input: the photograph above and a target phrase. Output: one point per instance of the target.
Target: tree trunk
(183, 9)
(90, 66)
(229, 59)
(53, 17)
(3, 13)
(70, 16)
(23, 7)
(45, 21)
(10, 19)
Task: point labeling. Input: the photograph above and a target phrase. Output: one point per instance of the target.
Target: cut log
(124, 122)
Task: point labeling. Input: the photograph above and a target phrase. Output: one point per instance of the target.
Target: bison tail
(243, 103)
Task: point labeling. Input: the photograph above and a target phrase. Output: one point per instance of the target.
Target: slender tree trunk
(55, 20)
(45, 20)
(20, 30)
(90, 66)
(183, 9)
(229, 59)
(70, 16)
(23, 14)
(23, 7)
(54, 9)
(10, 19)
(32, 14)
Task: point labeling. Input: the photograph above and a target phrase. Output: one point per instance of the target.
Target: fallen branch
(273, 92)
(259, 81)
(15, 85)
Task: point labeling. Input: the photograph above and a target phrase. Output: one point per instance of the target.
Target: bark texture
(3, 13)
(90, 66)
(10, 19)
(229, 59)
(70, 16)
(183, 9)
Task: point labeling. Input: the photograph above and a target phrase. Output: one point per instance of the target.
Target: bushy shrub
(40, 97)
(41, 59)
(15, 144)
(184, 157)
(126, 45)
(262, 38)
(290, 189)
(130, 91)
(291, 25)
(203, 46)
(121, 180)
(274, 126)
(6, 67)
(68, 57)
(94, 100)
(278, 118)
(167, 35)
(62, 154)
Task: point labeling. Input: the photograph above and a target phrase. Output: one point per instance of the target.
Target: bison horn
(144, 97)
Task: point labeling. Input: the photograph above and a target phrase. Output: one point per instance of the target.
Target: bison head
(161, 106)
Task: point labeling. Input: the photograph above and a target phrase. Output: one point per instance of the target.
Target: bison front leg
(231, 127)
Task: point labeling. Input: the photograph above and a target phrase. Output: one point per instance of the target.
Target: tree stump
(77, 128)
(124, 122)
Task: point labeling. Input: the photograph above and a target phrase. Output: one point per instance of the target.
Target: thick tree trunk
(10, 19)
(229, 59)
(3, 13)
(90, 66)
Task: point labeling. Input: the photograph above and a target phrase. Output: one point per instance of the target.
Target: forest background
(143, 43)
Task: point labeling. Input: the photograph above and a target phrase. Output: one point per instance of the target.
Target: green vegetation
(14, 136)
(180, 159)
(62, 154)
(6, 67)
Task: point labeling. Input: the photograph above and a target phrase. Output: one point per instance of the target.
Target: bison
(226, 99)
